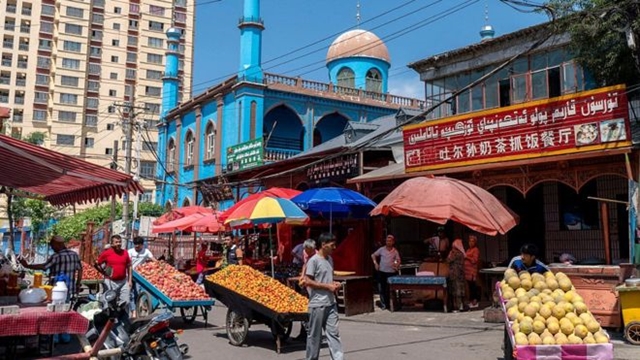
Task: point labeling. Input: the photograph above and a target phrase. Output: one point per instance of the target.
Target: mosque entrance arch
(328, 127)
(283, 130)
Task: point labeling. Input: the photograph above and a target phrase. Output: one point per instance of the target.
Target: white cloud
(407, 86)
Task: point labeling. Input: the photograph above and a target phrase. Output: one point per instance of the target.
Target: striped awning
(60, 179)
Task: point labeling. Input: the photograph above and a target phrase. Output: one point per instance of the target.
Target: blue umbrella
(335, 201)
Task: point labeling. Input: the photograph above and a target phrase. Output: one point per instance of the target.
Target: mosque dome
(358, 43)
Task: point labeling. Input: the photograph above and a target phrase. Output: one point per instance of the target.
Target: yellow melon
(581, 331)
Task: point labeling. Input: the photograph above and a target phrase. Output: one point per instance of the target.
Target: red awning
(61, 179)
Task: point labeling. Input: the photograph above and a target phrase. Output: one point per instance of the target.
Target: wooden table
(354, 297)
(490, 277)
(410, 282)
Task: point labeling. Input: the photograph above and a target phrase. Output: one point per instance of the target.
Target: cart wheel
(189, 313)
(281, 329)
(237, 327)
(632, 332)
(143, 305)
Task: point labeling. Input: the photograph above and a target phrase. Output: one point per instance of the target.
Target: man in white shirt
(139, 255)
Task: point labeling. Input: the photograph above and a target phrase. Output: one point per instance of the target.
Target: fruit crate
(151, 298)
(549, 352)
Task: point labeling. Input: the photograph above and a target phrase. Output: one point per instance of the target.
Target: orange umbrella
(439, 199)
(209, 224)
(182, 224)
(272, 192)
(178, 213)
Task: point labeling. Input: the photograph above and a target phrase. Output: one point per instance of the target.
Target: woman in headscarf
(457, 285)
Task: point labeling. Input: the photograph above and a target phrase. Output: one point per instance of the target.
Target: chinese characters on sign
(246, 155)
(587, 121)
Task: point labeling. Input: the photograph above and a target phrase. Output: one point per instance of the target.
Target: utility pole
(136, 177)
(128, 115)
(114, 166)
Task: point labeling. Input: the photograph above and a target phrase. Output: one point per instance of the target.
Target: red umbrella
(181, 212)
(273, 192)
(439, 199)
(182, 224)
(209, 224)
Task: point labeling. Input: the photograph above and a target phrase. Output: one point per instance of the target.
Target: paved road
(365, 340)
(361, 341)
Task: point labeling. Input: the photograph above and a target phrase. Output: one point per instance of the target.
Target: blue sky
(295, 25)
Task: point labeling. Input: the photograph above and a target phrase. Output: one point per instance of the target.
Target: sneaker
(473, 306)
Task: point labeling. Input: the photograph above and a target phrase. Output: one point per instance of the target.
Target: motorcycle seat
(136, 324)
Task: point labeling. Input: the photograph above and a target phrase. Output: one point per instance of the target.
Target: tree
(71, 227)
(603, 37)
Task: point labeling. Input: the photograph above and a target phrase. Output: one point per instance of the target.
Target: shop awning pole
(604, 210)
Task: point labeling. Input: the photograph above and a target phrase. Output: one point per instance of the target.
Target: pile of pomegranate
(256, 286)
(171, 282)
(89, 273)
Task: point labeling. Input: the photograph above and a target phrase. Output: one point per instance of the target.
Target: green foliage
(70, 227)
(599, 39)
(36, 137)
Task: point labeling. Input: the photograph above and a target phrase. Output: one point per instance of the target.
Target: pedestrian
(298, 254)
(202, 260)
(309, 249)
(471, 258)
(323, 310)
(386, 261)
(234, 252)
(527, 261)
(457, 286)
(64, 263)
(138, 255)
(117, 268)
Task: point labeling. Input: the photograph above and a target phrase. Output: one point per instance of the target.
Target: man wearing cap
(62, 262)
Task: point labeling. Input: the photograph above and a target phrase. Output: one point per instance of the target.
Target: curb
(496, 327)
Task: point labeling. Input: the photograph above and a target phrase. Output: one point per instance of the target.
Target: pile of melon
(546, 310)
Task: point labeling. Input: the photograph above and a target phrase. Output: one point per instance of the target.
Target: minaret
(358, 14)
(486, 32)
(251, 26)
(170, 81)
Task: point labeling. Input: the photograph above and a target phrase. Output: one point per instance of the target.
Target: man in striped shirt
(62, 262)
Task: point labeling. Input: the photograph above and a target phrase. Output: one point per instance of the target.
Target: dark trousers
(474, 290)
(383, 288)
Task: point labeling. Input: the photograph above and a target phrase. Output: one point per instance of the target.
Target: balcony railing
(25, 29)
(4, 99)
(6, 62)
(11, 9)
(5, 81)
(24, 47)
(273, 155)
(22, 64)
(342, 92)
(26, 11)
(19, 100)
(17, 118)
(9, 26)
(7, 44)
(21, 82)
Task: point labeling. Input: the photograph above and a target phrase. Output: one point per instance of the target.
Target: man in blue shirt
(527, 260)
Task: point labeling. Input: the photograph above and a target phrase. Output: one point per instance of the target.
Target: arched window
(346, 78)
(210, 141)
(171, 155)
(186, 202)
(374, 81)
(188, 149)
(168, 205)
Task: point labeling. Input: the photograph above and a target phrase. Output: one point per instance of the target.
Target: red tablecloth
(38, 321)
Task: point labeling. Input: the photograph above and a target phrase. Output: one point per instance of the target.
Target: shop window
(519, 90)
(505, 92)
(554, 82)
(539, 84)
(577, 211)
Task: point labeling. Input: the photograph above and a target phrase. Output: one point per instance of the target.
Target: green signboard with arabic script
(246, 155)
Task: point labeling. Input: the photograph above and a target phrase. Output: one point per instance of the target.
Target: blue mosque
(258, 119)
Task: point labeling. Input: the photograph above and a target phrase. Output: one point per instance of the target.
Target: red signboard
(587, 121)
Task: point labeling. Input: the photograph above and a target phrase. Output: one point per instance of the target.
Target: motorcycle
(148, 338)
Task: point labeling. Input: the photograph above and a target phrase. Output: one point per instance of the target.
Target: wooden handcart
(243, 312)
